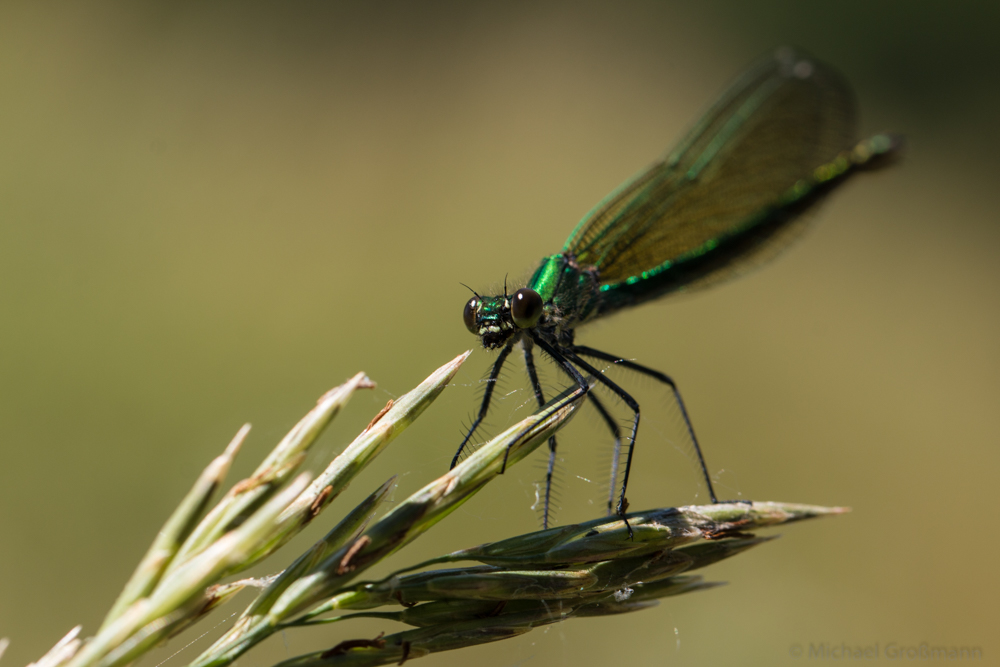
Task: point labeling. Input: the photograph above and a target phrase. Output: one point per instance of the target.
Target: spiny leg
(617, 434)
(487, 395)
(529, 362)
(605, 415)
(633, 406)
(567, 367)
(565, 360)
(665, 379)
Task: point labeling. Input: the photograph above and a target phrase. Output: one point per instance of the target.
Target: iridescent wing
(695, 212)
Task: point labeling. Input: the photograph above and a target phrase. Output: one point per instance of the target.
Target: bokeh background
(212, 213)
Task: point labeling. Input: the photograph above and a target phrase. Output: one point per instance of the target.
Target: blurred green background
(212, 213)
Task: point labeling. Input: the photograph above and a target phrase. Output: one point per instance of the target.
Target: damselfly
(729, 196)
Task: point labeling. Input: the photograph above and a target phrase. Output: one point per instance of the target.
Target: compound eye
(469, 314)
(526, 308)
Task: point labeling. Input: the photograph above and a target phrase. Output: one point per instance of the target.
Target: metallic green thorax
(570, 292)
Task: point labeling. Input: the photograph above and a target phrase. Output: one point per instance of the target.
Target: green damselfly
(730, 195)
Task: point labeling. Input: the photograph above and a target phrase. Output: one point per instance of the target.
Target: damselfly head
(489, 318)
(496, 318)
